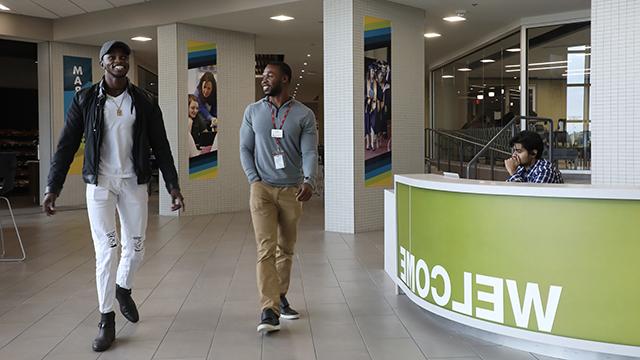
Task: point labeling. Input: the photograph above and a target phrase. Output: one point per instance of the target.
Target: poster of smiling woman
(202, 137)
(377, 103)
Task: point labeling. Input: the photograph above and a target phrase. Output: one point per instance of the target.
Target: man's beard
(274, 91)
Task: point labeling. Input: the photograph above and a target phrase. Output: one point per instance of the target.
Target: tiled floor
(197, 297)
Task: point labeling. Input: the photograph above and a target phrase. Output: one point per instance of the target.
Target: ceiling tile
(26, 7)
(61, 8)
(92, 5)
(125, 2)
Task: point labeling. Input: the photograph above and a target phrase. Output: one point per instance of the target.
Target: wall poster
(377, 106)
(76, 72)
(202, 139)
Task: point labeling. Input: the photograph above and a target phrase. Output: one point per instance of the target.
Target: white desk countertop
(580, 191)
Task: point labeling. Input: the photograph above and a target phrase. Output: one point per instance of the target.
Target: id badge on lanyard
(278, 160)
(277, 135)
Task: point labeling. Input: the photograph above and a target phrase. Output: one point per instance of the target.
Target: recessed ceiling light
(492, 94)
(141, 38)
(302, 70)
(308, 55)
(464, 69)
(578, 48)
(300, 76)
(4, 8)
(459, 16)
(514, 50)
(298, 84)
(480, 97)
(549, 63)
(487, 61)
(454, 18)
(281, 18)
(447, 76)
(432, 35)
(305, 63)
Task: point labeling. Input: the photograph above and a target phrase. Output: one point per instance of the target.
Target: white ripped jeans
(131, 201)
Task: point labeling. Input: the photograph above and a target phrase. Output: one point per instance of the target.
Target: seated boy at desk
(526, 163)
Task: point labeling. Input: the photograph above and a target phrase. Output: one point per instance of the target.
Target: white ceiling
(55, 9)
(294, 38)
(483, 19)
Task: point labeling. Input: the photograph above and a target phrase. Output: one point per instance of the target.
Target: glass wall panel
(474, 92)
(148, 80)
(558, 75)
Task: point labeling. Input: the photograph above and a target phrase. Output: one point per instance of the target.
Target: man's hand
(49, 204)
(511, 164)
(304, 192)
(177, 201)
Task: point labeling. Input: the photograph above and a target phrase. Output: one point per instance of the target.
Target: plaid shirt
(541, 172)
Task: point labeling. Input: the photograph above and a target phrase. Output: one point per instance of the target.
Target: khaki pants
(275, 213)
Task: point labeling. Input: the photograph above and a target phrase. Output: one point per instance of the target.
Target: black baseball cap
(112, 44)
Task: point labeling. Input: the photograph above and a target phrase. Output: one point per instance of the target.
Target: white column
(349, 206)
(615, 85)
(229, 191)
(339, 119)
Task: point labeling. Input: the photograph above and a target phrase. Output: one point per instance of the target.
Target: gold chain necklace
(119, 107)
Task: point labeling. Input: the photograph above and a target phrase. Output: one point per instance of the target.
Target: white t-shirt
(116, 156)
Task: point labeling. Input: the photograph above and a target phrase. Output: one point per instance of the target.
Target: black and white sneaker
(268, 321)
(286, 312)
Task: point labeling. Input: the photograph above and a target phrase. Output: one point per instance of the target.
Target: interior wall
(229, 191)
(551, 98)
(407, 61)
(19, 27)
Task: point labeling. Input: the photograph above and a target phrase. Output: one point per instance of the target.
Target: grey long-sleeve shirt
(299, 143)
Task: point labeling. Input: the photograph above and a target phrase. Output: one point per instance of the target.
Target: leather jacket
(86, 118)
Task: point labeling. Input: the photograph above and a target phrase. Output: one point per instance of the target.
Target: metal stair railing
(483, 135)
(461, 144)
(488, 147)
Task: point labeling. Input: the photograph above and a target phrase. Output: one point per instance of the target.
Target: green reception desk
(550, 265)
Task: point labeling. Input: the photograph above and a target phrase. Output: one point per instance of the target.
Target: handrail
(460, 143)
(470, 137)
(439, 132)
(488, 145)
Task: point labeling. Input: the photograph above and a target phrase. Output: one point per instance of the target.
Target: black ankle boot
(127, 306)
(106, 332)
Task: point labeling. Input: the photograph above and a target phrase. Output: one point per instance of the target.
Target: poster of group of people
(377, 106)
(202, 139)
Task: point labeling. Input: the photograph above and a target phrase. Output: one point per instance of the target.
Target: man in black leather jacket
(120, 124)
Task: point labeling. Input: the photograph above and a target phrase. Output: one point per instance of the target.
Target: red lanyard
(284, 118)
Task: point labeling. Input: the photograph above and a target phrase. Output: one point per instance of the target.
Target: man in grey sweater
(278, 151)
